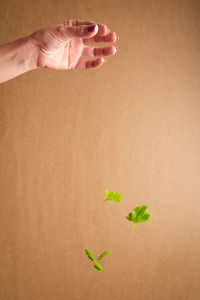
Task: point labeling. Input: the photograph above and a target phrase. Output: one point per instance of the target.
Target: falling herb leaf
(90, 255)
(138, 215)
(103, 254)
(114, 196)
(98, 266)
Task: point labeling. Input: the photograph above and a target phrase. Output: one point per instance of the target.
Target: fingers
(89, 64)
(82, 31)
(100, 51)
(103, 29)
(109, 38)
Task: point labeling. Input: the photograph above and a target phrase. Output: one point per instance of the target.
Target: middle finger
(99, 51)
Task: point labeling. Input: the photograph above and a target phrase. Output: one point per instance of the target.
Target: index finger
(103, 29)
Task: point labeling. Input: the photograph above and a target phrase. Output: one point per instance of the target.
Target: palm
(57, 49)
(64, 57)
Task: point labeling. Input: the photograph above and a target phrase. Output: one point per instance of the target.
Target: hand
(61, 46)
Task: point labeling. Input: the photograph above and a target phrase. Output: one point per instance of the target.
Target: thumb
(83, 31)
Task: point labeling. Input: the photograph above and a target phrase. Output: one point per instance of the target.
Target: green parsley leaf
(138, 215)
(103, 254)
(98, 266)
(114, 196)
(89, 254)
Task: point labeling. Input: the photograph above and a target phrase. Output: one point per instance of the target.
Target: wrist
(17, 58)
(30, 54)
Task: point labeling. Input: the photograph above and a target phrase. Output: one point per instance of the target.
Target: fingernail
(117, 37)
(91, 28)
(116, 49)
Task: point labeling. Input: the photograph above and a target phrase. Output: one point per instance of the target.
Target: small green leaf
(114, 196)
(103, 254)
(146, 217)
(89, 254)
(138, 215)
(107, 193)
(98, 267)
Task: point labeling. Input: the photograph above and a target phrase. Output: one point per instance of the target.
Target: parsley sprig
(114, 196)
(97, 266)
(138, 215)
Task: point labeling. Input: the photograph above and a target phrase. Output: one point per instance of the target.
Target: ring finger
(98, 51)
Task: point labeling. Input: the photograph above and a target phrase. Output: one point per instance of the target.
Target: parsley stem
(132, 227)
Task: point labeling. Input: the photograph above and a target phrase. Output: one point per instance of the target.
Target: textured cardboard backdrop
(132, 126)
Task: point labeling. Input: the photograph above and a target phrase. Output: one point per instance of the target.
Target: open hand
(63, 45)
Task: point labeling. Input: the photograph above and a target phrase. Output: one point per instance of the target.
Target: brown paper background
(132, 126)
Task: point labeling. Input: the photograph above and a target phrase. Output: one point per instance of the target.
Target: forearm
(16, 58)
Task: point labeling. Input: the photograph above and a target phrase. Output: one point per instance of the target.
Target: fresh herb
(103, 254)
(98, 267)
(138, 215)
(91, 256)
(114, 196)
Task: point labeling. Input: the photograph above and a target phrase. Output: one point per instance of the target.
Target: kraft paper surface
(132, 126)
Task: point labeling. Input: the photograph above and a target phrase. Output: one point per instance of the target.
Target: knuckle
(81, 29)
(71, 22)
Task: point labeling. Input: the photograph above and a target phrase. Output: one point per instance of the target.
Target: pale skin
(64, 46)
